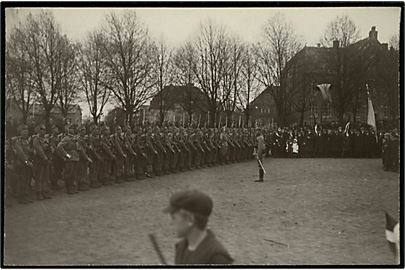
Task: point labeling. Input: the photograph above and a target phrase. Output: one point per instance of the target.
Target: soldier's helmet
(40, 128)
(258, 131)
(22, 128)
(82, 129)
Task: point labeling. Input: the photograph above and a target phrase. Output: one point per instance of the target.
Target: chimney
(373, 33)
(385, 46)
(336, 44)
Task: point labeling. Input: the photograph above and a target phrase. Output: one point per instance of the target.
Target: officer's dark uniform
(260, 151)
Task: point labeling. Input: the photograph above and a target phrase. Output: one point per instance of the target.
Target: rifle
(157, 248)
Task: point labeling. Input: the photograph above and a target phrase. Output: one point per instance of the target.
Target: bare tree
(231, 83)
(68, 93)
(183, 63)
(250, 86)
(279, 45)
(342, 29)
(394, 42)
(164, 75)
(18, 74)
(45, 47)
(210, 63)
(345, 91)
(129, 59)
(93, 74)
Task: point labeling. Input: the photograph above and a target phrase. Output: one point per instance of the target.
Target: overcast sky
(179, 24)
(176, 25)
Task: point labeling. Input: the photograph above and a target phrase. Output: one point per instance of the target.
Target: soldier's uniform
(200, 153)
(185, 149)
(108, 157)
(68, 150)
(10, 179)
(120, 156)
(132, 156)
(83, 180)
(42, 164)
(260, 151)
(171, 153)
(23, 165)
(193, 158)
(57, 161)
(93, 150)
(224, 147)
(144, 158)
(161, 160)
(180, 151)
(153, 154)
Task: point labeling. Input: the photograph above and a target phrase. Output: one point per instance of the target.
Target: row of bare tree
(120, 62)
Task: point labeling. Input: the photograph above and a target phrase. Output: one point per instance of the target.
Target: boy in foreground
(190, 211)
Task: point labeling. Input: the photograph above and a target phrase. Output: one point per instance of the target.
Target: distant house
(13, 113)
(262, 108)
(347, 69)
(176, 103)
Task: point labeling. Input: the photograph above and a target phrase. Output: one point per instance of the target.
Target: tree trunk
(95, 118)
(47, 115)
(129, 115)
(24, 117)
(302, 116)
(213, 117)
(247, 116)
(161, 117)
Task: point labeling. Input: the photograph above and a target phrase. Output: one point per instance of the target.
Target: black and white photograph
(262, 134)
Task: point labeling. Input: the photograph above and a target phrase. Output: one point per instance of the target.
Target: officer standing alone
(259, 153)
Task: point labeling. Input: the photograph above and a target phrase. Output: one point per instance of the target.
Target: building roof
(178, 94)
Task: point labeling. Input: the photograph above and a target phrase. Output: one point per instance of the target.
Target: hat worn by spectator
(193, 201)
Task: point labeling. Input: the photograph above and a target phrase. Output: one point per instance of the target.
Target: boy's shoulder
(210, 251)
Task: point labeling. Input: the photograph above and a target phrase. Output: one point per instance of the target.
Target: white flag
(325, 91)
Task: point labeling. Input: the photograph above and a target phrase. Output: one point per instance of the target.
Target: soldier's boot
(54, 185)
(140, 173)
(69, 188)
(261, 174)
(75, 187)
(40, 196)
(83, 186)
(24, 200)
(203, 164)
(95, 184)
(46, 194)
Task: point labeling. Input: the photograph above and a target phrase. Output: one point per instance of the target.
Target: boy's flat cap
(193, 201)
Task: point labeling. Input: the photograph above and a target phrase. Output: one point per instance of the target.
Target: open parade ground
(308, 211)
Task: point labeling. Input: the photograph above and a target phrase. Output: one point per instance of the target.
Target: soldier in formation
(84, 157)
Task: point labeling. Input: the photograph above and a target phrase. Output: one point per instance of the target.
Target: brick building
(348, 70)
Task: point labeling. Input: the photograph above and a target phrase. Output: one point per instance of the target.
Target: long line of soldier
(85, 157)
(88, 157)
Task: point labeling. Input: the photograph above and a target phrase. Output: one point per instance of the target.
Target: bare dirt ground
(321, 211)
